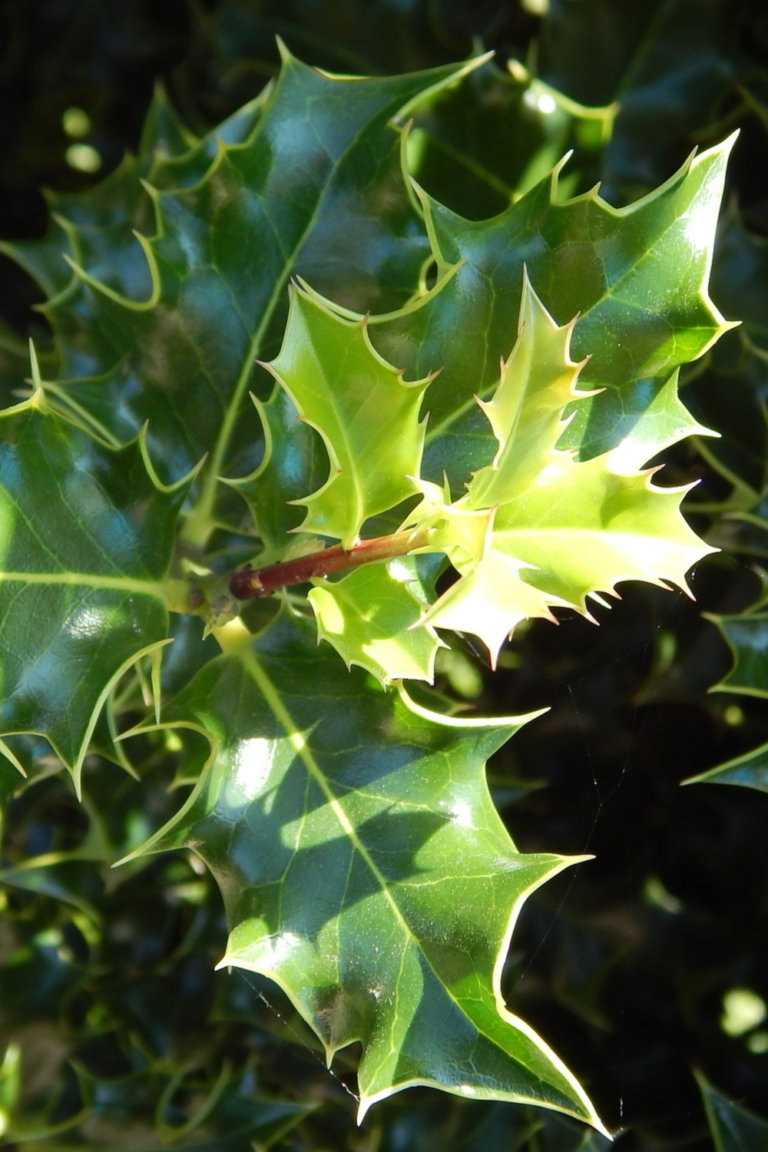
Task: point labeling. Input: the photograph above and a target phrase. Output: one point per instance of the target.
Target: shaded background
(628, 964)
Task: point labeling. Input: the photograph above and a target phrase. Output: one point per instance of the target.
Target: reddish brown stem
(252, 583)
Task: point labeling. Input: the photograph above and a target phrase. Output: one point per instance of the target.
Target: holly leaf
(749, 771)
(316, 188)
(366, 414)
(372, 617)
(86, 537)
(14, 366)
(668, 422)
(555, 529)
(616, 269)
(294, 463)
(732, 390)
(677, 66)
(747, 637)
(94, 228)
(364, 867)
(733, 1128)
(481, 144)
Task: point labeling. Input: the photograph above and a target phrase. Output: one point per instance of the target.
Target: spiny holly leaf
(490, 599)
(185, 167)
(371, 616)
(674, 66)
(368, 417)
(94, 229)
(316, 188)
(14, 366)
(617, 269)
(747, 637)
(732, 390)
(556, 530)
(364, 867)
(86, 537)
(660, 420)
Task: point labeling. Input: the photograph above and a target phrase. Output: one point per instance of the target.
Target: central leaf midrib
(87, 580)
(352, 458)
(272, 696)
(613, 534)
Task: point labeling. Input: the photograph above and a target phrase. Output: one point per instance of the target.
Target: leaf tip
(12, 758)
(286, 56)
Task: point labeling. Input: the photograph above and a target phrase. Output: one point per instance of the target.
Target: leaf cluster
(459, 398)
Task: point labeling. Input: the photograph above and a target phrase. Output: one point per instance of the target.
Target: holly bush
(337, 406)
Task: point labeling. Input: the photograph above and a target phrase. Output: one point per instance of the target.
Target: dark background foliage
(623, 964)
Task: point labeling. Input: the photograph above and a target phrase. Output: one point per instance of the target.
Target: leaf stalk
(253, 583)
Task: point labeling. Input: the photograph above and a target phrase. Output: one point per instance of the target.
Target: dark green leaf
(750, 770)
(362, 864)
(733, 1127)
(747, 637)
(481, 145)
(672, 64)
(87, 538)
(617, 270)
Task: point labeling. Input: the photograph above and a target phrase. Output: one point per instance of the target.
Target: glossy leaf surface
(368, 418)
(364, 868)
(371, 616)
(615, 269)
(312, 178)
(294, 463)
(480, 145)
(551, 530)
(87, 536)
(746, 635)
(749, 770)
(351, 831)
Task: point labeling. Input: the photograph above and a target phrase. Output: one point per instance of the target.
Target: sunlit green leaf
(617, 270)
(554, 530)
(367, 415)
(364, 868)
(316, 187)
(371, 616)
(350, 828)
